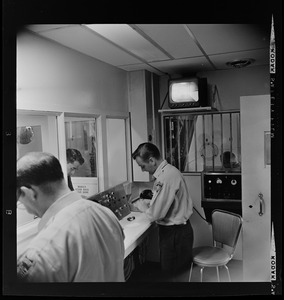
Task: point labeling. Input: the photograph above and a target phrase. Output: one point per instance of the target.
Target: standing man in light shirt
(78, 240)
(171, 208)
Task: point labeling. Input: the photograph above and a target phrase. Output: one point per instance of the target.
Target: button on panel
(115, 199)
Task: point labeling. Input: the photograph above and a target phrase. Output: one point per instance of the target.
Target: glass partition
(196, 142)
(81, 135)
(34, 133)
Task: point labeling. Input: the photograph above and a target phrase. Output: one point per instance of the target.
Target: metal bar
(231, 139)
(178, 137)
(171, 144)
(163, 137)
(195, 144)
(194, 111)
(221, 121)
(239, 137)
(153, 133)
(213, 158)
(186, 149)
(204, 146)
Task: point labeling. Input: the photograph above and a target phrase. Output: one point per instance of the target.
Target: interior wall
(234, 83)
(230, 84)
(53, 77)
(116, 151)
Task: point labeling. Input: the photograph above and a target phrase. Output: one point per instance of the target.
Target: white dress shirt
(171, 203)
(78, 241)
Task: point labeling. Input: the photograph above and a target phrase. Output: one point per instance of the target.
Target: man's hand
(133, 207)
(142, 204)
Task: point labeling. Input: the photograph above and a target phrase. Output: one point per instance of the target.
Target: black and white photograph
(142, 157)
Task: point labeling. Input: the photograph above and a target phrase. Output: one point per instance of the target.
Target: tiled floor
(150, 272)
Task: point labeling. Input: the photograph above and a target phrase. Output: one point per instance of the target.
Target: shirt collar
(60, 203)
(160, 168)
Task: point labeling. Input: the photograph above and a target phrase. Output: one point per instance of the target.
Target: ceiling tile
(223, 38)
(127, 38)
(173, 38)
(137, 67)
(187, 65)
(163, 48)
(87, 42)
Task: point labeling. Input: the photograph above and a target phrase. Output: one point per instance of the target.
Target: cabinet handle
(261, 204)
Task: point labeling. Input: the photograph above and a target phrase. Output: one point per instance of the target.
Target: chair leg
(201, 273)
(217, 269)
(228, 273)
(190, 272)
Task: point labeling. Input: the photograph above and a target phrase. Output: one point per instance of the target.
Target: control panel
(220, 186)
(115, 199)
(221, 190)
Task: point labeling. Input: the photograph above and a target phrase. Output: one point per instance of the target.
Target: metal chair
(226, 228)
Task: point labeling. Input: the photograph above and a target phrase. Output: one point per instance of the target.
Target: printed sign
(86, 186)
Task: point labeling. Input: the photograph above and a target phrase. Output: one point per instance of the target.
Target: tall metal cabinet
(256, 182)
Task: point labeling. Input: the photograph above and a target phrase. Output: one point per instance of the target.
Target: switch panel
(222, 186)
(221, 190)
(115, 199)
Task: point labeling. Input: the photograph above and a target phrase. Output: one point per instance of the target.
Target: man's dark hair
(74, 155)
(146, 150)
(38, 168)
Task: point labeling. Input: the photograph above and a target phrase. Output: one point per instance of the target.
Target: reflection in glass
(29, 138)
(25, 135)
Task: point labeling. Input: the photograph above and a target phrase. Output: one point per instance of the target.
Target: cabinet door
(255, 127)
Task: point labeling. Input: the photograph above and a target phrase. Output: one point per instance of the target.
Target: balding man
(78, 240)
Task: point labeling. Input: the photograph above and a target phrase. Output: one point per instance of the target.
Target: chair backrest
(226, 227)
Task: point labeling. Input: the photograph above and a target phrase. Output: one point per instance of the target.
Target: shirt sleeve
(163, 197)
(33, 266)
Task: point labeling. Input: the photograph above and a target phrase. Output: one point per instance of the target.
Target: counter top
(135, 231)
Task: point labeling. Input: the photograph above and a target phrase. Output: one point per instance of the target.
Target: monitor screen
(188, 92)
(184, 91)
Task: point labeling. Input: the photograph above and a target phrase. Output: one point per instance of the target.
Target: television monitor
(188, 93)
